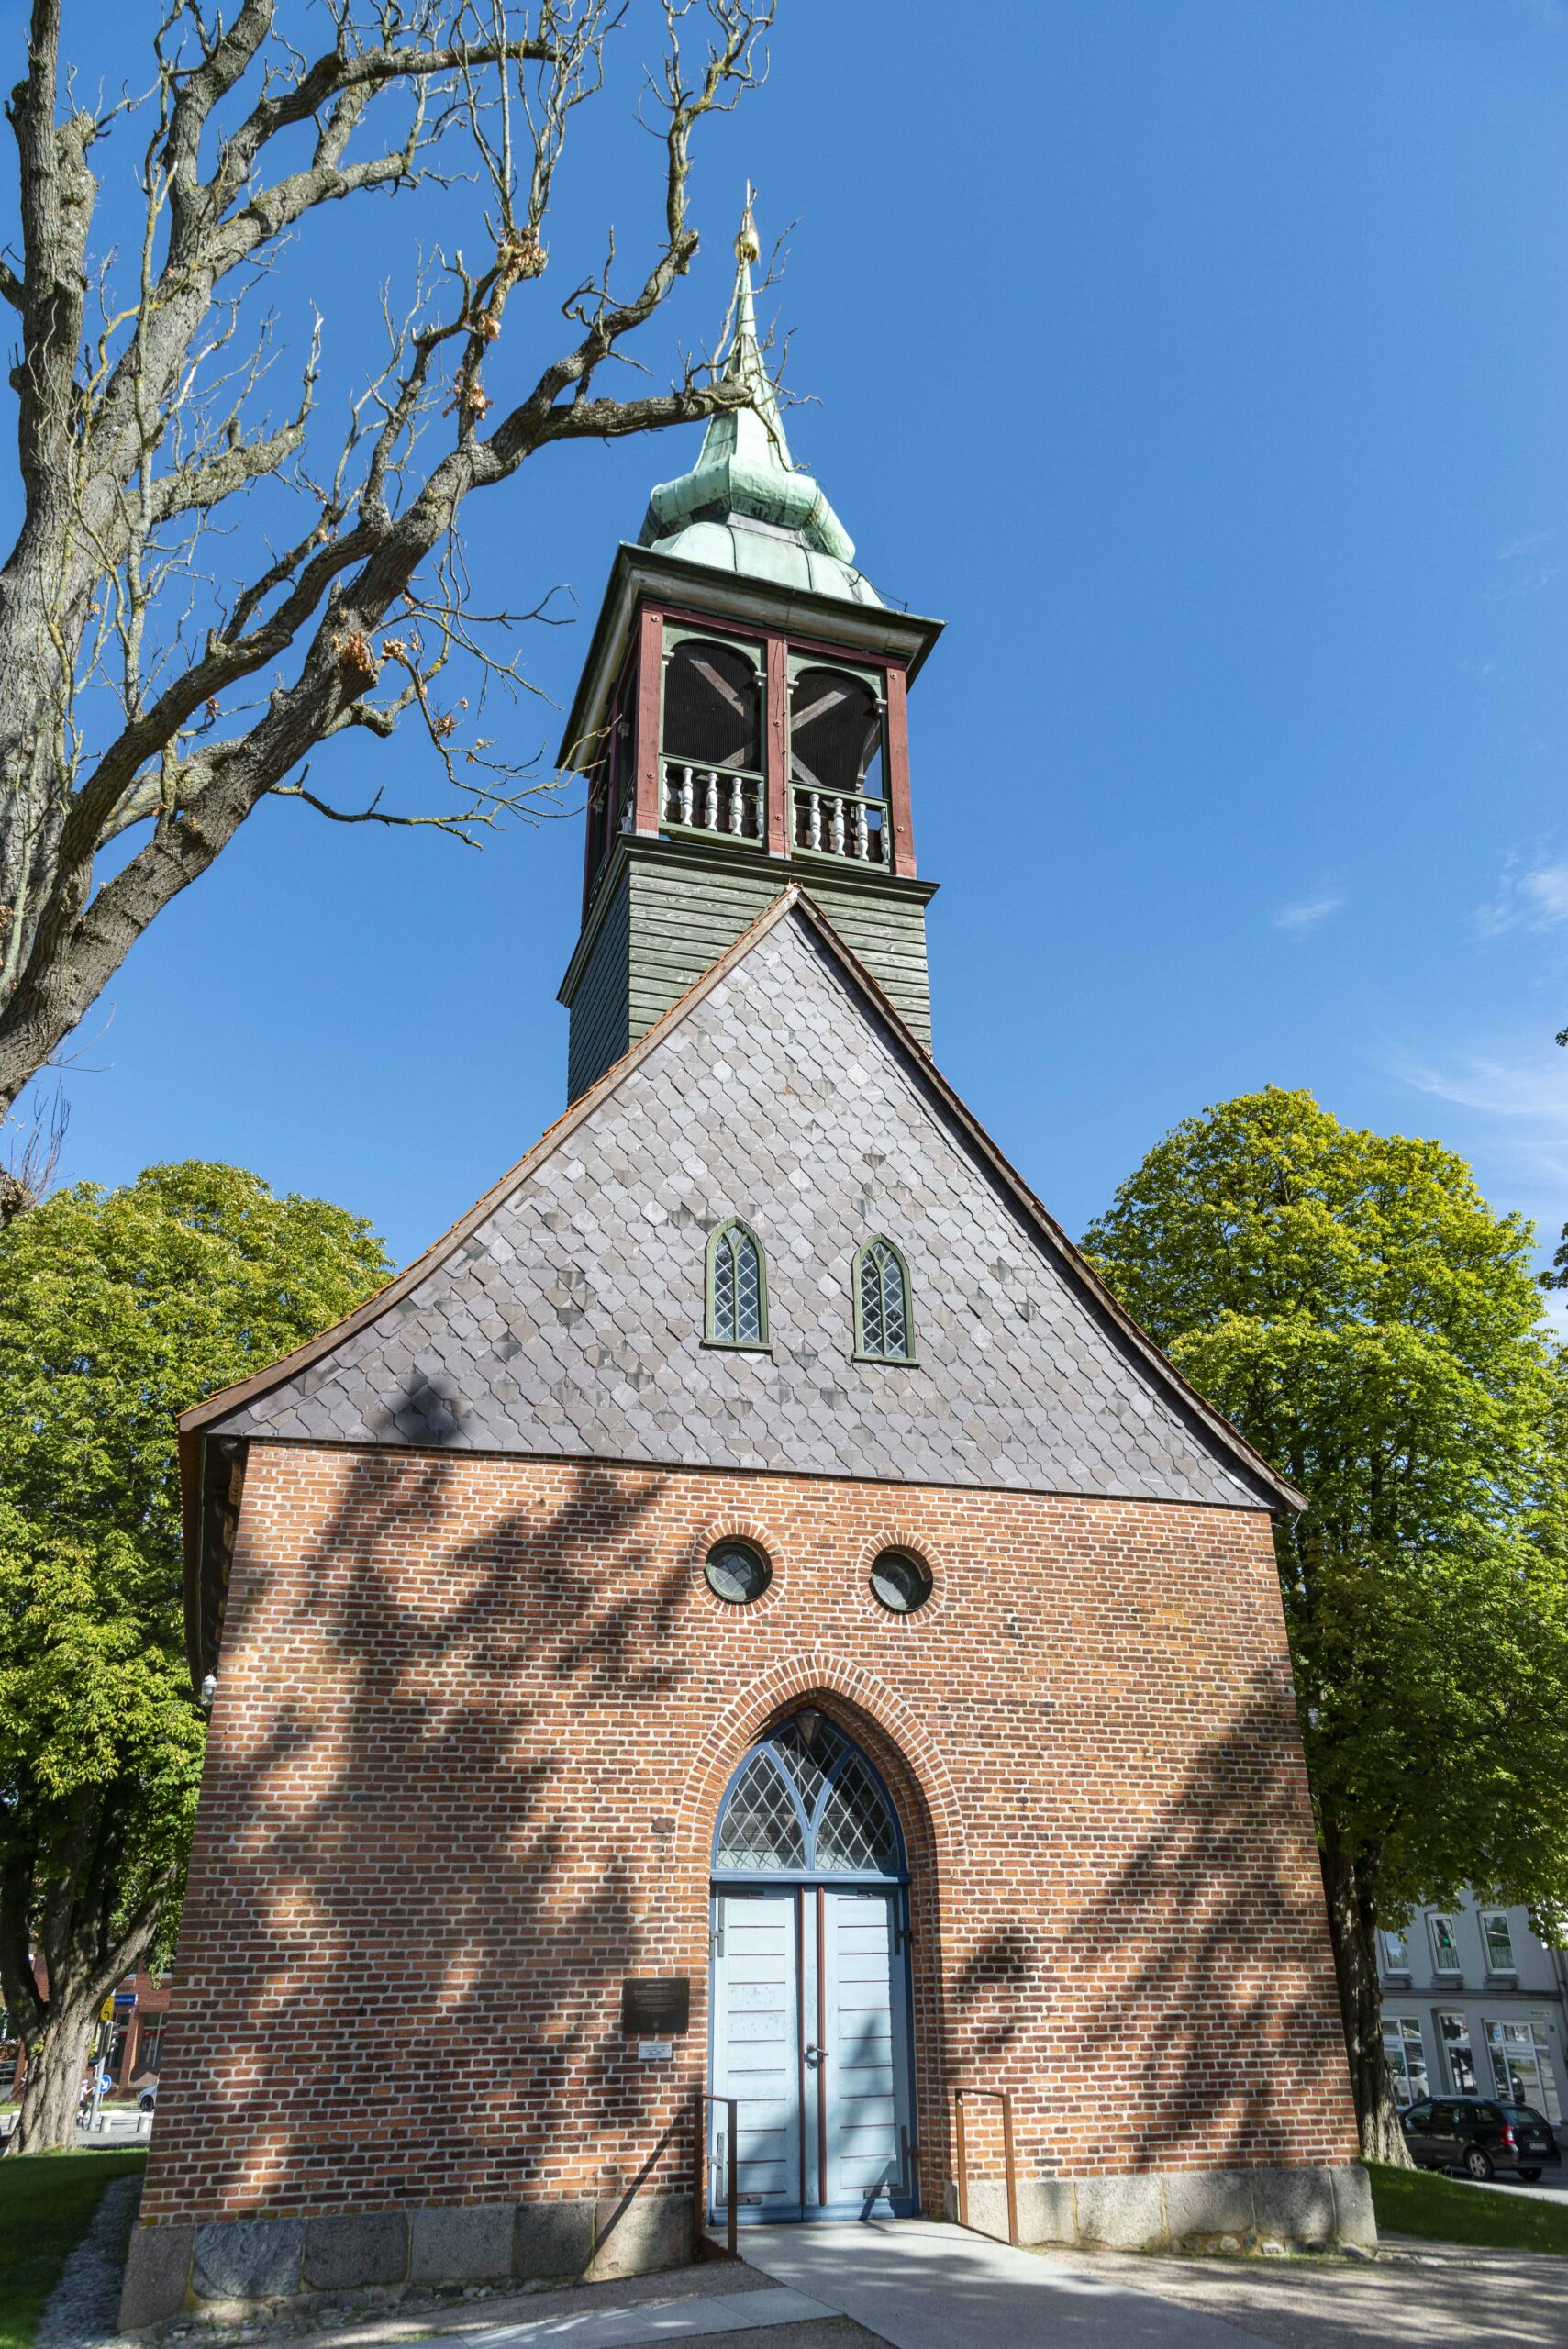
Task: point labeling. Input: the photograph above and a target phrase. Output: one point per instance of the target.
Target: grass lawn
(1418, 2202)
(47, 2201)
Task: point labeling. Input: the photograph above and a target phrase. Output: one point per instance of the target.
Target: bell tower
(741, 724)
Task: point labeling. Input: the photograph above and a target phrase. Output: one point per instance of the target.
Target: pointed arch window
(884, 1329)
(737, 1288)
(806, 1802)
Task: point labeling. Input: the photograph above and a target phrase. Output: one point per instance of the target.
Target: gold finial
(746, 245)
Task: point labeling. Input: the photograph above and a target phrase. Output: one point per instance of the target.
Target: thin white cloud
(1515, 546)
(1529, 896)
(1300, 919)
(1509, 1115)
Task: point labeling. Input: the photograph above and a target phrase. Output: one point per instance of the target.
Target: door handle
(813, 2055)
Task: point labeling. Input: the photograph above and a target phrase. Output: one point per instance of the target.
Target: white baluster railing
(839, 823)
(713, 799)
(729, 804)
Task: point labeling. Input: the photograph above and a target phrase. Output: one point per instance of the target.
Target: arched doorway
(811, 2005)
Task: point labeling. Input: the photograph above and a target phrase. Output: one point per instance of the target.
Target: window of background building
(1445, 1949)
(1499, 1942)
(1396, 1951)
(150, 2053)
(1522, 2069)
(1453, 2031)
(1407, 2053)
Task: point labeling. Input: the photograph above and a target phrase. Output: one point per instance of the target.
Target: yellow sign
(106, 2011)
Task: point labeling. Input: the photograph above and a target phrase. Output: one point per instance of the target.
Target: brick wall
(473, 1721)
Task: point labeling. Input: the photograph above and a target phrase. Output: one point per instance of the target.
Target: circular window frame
(735, 1525)
(901, 1554)
(873, 1611)
(750, 1548)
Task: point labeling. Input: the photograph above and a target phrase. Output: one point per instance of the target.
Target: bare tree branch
(148, 703)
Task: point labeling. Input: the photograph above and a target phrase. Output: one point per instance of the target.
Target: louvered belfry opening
(806, 1802)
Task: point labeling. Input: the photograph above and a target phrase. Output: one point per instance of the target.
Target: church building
(743, 1655)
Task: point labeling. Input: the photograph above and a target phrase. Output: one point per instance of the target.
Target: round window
(738, 1571)
(901, 1582)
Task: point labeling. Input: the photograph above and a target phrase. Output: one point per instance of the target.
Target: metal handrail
(1004, 2096)
(702, 2099)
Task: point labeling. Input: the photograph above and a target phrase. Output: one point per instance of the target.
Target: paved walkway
(1416, 2295)
(920, 2284)
(684, 2319)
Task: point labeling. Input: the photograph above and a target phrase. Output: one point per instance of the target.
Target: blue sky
(1204, 368)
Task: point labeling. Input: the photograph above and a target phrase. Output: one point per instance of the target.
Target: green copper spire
(744, 489)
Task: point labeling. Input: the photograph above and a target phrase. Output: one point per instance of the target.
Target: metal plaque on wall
(655, 2005)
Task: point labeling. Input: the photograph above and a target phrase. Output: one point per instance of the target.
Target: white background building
(1474, 2004)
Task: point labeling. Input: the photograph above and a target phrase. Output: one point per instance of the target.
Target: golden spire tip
(747, 247)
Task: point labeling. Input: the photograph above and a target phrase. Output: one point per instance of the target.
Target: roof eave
(640, 571)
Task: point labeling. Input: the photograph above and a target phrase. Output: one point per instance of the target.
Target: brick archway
(912, 1767)
(871, 1712)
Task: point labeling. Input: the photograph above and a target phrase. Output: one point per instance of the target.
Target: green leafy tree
(1374, 1329)
(117, 1311)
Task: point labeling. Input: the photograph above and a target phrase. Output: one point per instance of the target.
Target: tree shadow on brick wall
(984, 1990)
(1212, 2001)
(402, 1953)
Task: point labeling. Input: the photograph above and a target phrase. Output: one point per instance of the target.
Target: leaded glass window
(806, 1802)
(883, 1326)
(900, 1582)
(763, 1825)
(737, 1287)
(854, 1827)
(737, 1572)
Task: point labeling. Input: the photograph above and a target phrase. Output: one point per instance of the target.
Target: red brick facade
(474, 1719)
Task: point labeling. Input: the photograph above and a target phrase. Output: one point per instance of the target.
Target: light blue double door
(811, 2038)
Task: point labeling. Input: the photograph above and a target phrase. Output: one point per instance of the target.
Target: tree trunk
(56, 2060)
(1351, 1884)
(61, 1956)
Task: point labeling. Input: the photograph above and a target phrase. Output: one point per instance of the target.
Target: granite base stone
(342, 2253)
(1233, 2209)
(1355, 2222)
(157, 2275)
(1203, 2203)
(248, 2259)
(1293, 2206)
(1120, 2213)
(639, 2235)
(229, 2265)
(552, 2241)
(466, 2243)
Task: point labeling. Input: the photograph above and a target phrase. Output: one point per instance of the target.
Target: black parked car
(1478, 2136)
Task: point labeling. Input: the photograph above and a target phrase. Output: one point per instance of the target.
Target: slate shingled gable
(563, 1316)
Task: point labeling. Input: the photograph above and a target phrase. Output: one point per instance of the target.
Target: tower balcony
(728, 803)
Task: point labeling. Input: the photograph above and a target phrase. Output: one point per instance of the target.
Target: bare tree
(145, 705)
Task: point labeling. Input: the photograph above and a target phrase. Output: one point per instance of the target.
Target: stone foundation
(241, 2266)
(1236, 2210)
(237, 2266)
